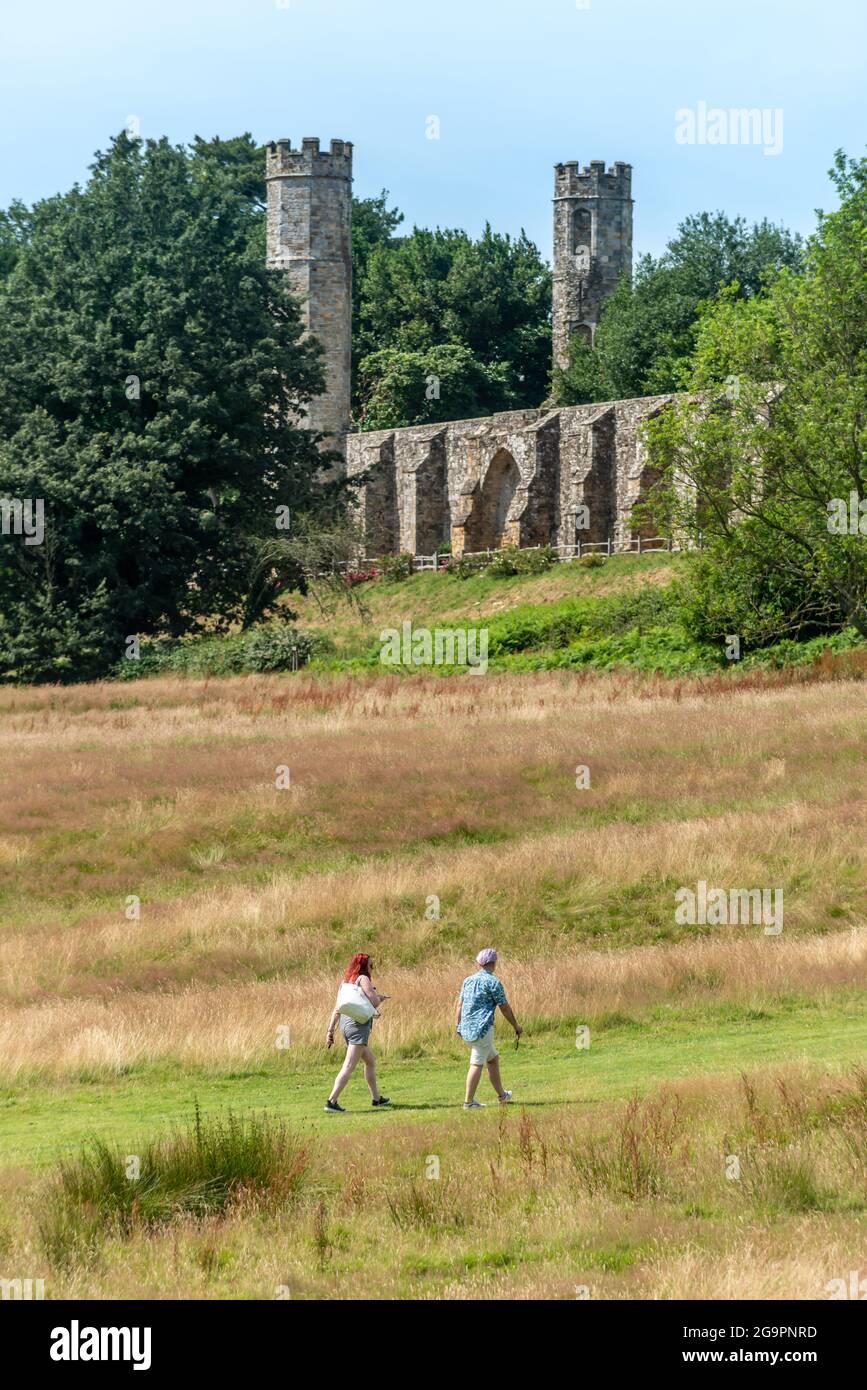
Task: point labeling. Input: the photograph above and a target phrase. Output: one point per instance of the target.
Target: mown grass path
(39, 1122)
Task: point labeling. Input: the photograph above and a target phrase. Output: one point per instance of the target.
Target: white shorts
(483, 1049)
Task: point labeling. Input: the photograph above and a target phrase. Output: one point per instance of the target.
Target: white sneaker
(473, 1105)
(505, 1097)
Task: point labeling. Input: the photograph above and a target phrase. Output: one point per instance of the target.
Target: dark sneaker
(383, 1100)
(332, 1108)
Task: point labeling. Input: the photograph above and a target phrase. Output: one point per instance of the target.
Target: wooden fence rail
(439, 563)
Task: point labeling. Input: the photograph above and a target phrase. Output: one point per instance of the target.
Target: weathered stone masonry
(310, 238)
(592, 246)
(520, 478)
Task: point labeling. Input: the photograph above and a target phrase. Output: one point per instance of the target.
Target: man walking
(474, 1021)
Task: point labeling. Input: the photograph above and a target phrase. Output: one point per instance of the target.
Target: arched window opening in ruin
(644, 521)
(582, 331)
(487, 523)
(582, 229)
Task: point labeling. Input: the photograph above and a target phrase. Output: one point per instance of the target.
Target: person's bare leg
(370, 1073)
(474, 1076)
(494, 1076)
(350, 1062)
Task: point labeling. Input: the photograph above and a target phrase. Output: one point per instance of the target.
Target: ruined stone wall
(524, 478)
(530, 477)
(309, 230)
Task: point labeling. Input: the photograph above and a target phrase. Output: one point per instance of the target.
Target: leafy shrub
(504, 563)
(276, 647)
(593, 560)
(354, 577)
(510, 560)
(270, 647)
(397, 566)
(558, 625)
(466, 566)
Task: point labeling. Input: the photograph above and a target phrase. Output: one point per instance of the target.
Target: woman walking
(361, 1000)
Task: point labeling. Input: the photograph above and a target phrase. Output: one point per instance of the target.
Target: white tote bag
(354, 1003)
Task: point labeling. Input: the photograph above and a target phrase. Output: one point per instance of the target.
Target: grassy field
(174, 924)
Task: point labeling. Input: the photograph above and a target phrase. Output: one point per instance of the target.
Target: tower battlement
(309, 228)
(570, 181)
(281, 160)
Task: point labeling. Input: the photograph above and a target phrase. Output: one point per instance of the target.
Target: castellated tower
(309, 236)
(592, 246)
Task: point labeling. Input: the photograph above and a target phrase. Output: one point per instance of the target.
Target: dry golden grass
(236, 1024)
(96, 802)
(297, 924)
(173, 799)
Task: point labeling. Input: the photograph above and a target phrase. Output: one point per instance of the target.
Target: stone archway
(487, 525)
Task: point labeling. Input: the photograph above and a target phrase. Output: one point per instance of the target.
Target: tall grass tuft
(779, 1179)
(205, 1169)
(632, 1160)
(432, 1207)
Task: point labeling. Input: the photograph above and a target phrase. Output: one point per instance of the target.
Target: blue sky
(516, 86)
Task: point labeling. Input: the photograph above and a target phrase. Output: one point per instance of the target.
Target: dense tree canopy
(767, 463)
(647, 330)
(447, 326)
(150, 368)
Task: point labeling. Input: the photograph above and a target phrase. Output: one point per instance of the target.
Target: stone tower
(592, 246)
(309, 236)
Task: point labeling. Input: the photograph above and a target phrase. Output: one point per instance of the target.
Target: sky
(510, 87)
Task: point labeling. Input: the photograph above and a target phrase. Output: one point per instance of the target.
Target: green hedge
(504, 563)
(271, 647)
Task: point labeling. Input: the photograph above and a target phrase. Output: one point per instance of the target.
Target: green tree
(767, 460)
(374, 225)
(441, 289)
(13, 226)
(445, 382)
(150, 371)
(647, 330)
(242, 160)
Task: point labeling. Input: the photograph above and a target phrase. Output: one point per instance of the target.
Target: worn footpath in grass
(626, 1199)
(38, 1122)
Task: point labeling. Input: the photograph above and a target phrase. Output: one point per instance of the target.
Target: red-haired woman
(357, 1035)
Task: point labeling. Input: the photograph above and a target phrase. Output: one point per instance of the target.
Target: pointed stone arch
(487, 526)
(582, 229)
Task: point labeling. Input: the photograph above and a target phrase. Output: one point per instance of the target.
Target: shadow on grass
(486, 1105)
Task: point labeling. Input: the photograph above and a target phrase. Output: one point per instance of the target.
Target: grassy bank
(625, 615)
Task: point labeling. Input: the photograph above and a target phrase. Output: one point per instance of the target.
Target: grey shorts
(353, 1032)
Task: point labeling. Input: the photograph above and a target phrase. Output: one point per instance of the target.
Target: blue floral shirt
(480, 995)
